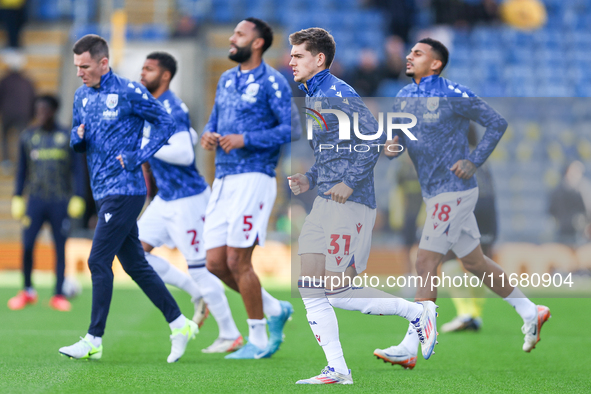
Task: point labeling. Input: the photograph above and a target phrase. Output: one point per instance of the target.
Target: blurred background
(518, 49)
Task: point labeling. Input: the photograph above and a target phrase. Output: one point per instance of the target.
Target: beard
(410, 73)
(242, 53)
(153, 86)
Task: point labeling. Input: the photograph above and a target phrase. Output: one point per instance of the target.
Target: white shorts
(239, 209)
(177, 223)
(341, 232)
(451, 223)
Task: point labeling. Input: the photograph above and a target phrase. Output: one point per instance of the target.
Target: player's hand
(463, 169)
(298, 183)
(209, 140)
(339, 192)
(80, 131)
(232, 141)
(120, 158)
(76, 207)
(392, 143)
(18, 208)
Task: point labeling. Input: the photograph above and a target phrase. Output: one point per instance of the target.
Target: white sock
(178, 323)
(526, 309)
(411, 340)
(371, 301)
(257, 332)
(324, 324)
(96, 341)
(214, 295)
(271, 305)
(172, 275)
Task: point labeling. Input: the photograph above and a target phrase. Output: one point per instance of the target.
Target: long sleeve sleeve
(76, 143)
(163, 126)
(476, 109)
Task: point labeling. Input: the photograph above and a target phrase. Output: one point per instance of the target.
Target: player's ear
(104, 62)
(321, 60)
(436, 65)
(258, 43)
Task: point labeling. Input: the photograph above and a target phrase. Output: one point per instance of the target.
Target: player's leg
(185, 229)
(60, 227)
(134, 263)
(249, 198)
(319, 311)
(32, 223)
(154, 231)
(534, 316)
(110, 232)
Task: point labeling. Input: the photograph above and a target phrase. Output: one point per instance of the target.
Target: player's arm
(18, 203)
(476, 109)
(148, 108)
(279, 101)
(179, 148)
(77, 141)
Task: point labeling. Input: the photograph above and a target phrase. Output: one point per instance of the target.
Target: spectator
(395, 57)
(366, 77)
(17, 96)
(13, 16)
(186, 28)
(567, 204)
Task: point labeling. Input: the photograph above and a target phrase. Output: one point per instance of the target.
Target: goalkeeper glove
(76, 207)
(18, 208)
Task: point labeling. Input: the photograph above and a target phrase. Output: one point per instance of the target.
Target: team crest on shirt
(432, 103)
(112, 100)
(252, 89)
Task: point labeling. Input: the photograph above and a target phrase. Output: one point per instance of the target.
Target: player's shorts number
(194, 241)
(443, 212)
(247, 224)
(336, 247)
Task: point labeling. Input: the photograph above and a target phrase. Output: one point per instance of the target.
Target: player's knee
(217, 268)
(474, 265)
(425, 266)
(239, 263)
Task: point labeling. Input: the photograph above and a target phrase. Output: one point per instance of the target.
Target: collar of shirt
(104, 79)
(314, 82)
(426, 82)
(256, 74)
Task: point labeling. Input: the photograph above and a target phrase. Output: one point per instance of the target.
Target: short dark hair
(441, 52)
(96, 45)
(166, 61)
(264, 30)
(317, 41)
(50, 99)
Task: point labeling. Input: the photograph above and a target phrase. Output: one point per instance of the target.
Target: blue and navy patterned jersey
(113, 116)
(47, 165)
(257, 104)
(175, 181)
(444, 110)
(333, 166)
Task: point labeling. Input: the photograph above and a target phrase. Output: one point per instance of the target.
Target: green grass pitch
(136, 346)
